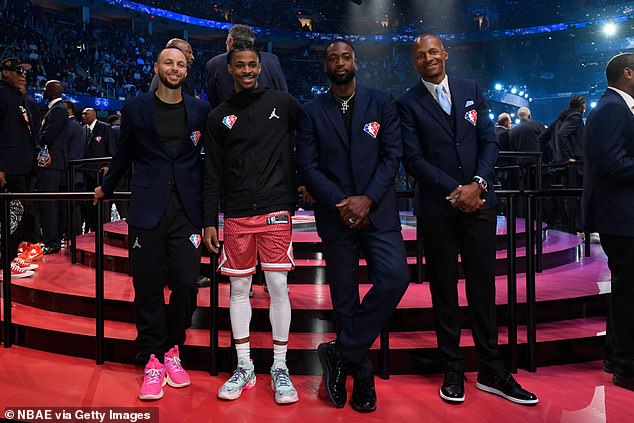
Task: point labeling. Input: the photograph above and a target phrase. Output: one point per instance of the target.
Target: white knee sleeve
(240, 307)
(280, 309)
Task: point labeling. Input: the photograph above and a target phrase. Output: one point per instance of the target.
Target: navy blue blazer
(608, 186)
(54, 133)
(440, 159)
(333, 166)
(220, 84)
(155, 169)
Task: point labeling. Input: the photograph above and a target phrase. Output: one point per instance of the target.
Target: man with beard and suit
(348, 153)
(220, 83)
(450, 148)
(98, 144)
(608, 206)
(17, 154)
(186, 48)
(54, 138)
(161, 135)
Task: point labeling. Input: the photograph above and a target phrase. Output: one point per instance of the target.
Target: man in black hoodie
(249, 145)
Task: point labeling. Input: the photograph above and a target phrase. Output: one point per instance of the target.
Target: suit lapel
(361, 102)
(427, 101)
(459, 100)
(331, 108)
(146, 106)
(190, 111)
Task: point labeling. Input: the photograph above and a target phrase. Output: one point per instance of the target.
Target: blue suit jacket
(155, 169)
(608, 186)
(437, 158)
(333, 166)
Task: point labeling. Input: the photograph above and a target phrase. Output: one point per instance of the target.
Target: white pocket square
(468, 103)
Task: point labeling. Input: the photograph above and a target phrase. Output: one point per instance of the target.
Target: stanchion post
(214, 348)
(511, 243)
(531, 326)
(6, 275)
(384, 354)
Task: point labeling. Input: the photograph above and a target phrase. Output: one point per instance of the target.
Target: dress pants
(48, 180)
(473, 236)
(620, 331)
(28, 229)
(168, 252)
(358, 323)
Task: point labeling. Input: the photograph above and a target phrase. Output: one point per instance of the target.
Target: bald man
(186, 48)
(450, 148)
(54, 139)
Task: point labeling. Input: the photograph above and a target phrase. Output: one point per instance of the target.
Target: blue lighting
(491, 116)
(517, 121)
(521, 93)
(498, 87)
(593, 104)
(513, 90)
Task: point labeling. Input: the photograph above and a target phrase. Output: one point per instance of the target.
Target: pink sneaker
(154, 380)
(177, 377)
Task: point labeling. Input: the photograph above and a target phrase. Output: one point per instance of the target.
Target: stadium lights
(517, 121)
(498, 87)
(593, 104)
(521, 93)
(609, 29)
(513, 90)
(491, 116)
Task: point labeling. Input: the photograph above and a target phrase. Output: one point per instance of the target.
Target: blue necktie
(443, 100)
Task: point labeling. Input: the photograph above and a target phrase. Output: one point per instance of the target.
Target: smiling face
(341, 63)
(171, 68)
(428, 57)
(245, 68)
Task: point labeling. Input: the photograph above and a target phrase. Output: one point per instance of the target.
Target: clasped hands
(354, 211)
(467, 198)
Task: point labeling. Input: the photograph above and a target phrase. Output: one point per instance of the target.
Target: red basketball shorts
(267, 236)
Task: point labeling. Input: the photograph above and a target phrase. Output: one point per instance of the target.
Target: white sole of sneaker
(173, 384)
(283, 400)
(229, 396)
(503, 395)
(446, 398)
(151, 397)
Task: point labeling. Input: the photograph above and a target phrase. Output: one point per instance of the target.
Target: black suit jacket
(17, 146)
(99, 144)
(55, 134)
(524, 137)
(608, 186)
(441, 159)
(502, 134)
(156, 171)
(220, 83)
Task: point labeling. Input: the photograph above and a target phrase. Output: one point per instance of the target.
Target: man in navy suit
(54, 137)
(450, 148)
(219, 81)
(608, 206)
(348, 153)
(161, 134)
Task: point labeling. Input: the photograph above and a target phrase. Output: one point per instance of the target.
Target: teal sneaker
(285, 392)
(243, 378)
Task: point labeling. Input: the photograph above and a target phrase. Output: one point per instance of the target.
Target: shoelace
(281, 378)
(15, 267)
(174, 363)
(240, 373)
(153, 375)
(454, 377)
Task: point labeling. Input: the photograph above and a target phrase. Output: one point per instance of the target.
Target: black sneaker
(505, 386)
(452, 389)
(334, 368)
(363, 395)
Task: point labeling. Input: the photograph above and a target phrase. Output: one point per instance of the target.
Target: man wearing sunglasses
(17, 144)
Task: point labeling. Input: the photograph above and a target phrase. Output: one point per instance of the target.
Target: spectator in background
(74, 151)
(98, 144)
(524, 137)
(505, 177)
(54, 141)
(220, 83)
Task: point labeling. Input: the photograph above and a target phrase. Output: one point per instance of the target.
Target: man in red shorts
(249, 146)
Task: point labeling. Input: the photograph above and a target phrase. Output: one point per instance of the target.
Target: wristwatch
(482, 183)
